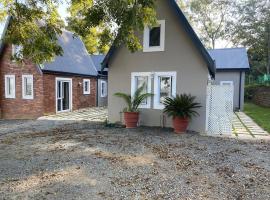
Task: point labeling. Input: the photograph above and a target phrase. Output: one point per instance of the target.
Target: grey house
(173, 61)
(231, 66)
(102, 83)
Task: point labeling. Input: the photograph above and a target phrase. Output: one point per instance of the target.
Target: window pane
(140, 81)
(165, 88)
(28, 86)
(9, 86)
(154, 37)
(86, 86)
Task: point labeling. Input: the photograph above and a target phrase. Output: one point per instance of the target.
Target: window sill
(153, 49)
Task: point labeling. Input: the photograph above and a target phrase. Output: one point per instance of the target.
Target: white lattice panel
(219, 109)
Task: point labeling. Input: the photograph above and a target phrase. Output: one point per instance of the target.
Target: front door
(63, 92)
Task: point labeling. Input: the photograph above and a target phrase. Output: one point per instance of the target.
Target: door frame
(70, 91)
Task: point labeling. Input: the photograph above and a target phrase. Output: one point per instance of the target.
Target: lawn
(260, 115)
(90, 161)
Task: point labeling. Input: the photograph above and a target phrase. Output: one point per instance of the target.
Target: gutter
(240, 91)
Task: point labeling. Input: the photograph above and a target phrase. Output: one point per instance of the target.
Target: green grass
(260, 115)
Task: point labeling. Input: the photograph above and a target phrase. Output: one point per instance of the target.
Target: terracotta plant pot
(131, 119)
(180, 124)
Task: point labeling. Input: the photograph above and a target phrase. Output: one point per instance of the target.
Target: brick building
(28, 91)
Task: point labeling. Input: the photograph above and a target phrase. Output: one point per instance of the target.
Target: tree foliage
(252, 30)
(36, 24)
(209, 17)
(92, 38)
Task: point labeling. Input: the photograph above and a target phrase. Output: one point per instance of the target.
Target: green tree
(36, 24)
(252, 29)
(91, 38)
(210, 18)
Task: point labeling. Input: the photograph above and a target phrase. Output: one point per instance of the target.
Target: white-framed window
(27, 87)
(138, 79)
(10, 87)
(230, 83)
(86, 86)
(17, 51)
(103, 88)
(154, 37)
(164, 86)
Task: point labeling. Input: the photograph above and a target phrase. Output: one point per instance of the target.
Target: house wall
(180, 55)
(238, 88)
(20, 108)
(79, 100)
(102, 101)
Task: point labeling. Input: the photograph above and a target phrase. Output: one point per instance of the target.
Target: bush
(250, 91)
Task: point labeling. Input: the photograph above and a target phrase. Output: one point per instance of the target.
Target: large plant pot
(131, 119)
(180, 124)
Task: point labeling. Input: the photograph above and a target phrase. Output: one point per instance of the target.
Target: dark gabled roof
(75, 58)
(184, 22)
(4, 33)
(230, 58)
(97, 60)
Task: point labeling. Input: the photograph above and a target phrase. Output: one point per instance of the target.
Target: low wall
(262, 96)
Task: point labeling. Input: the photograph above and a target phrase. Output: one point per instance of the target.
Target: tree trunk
(213, 43)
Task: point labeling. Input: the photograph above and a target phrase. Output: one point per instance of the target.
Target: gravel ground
(89, 161)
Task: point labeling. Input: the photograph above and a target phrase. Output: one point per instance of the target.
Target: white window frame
(89, 88)
(24, 96)
(226, 83)
(157, 104)
(149, 86)
(13, 95)
(146, 38)
(105, 93)
(16, 49)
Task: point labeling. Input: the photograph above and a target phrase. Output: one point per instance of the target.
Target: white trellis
(219, 109)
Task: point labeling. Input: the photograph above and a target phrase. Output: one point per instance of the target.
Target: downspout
(97, 94)
(240, 90)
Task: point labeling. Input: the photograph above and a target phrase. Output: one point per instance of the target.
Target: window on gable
(10, 86)
(17, 51)
(86, 86)
(139, 79)
(27, 87)
(103, 85)
(154, 37)
(165, 86)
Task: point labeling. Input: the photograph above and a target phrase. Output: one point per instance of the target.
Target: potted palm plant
(131, 112)
(182, 108)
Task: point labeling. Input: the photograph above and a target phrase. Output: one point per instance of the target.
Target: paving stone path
(244, 127)
(96, 114)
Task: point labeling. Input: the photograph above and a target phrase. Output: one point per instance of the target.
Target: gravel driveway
(88, 161)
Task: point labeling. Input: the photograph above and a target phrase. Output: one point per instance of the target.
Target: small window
(86, 86)
(165, 86)
(138, 79)
(154, 38)
(10, 91)
(103, 85)
(27, 87)
(230, 83)
(17, 51)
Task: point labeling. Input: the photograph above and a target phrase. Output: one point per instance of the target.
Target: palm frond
(181, 106)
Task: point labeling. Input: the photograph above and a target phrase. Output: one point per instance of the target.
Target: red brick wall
(79, 100)
(20, 108)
